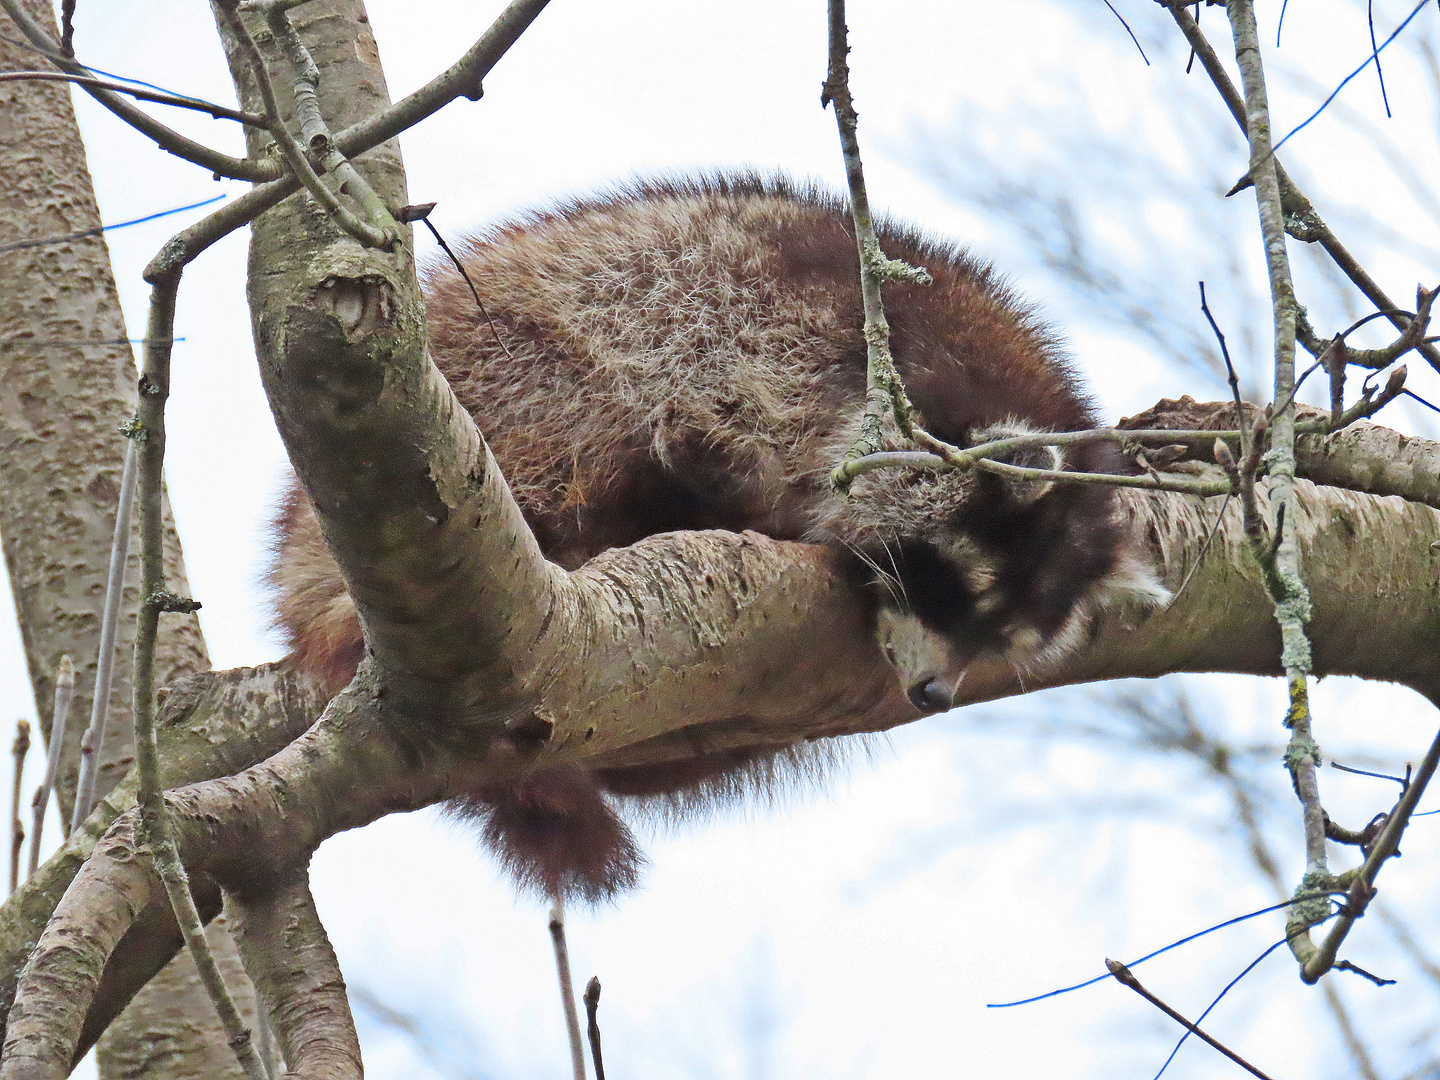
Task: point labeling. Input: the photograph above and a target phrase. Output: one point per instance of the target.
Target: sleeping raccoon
(688, 354)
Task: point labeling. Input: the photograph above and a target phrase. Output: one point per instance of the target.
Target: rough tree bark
(61, 456)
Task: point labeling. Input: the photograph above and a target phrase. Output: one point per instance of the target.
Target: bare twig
(315, 133)
(462, 79)
(1126, 25)
(1361, 891)
(18, 749)
(64, 695)
(1124, 976)
(92, 743)
(67, 27)
(567, 988)
(169, 140)
(884, 391)
(148, 447)
(1374, 56)
(421, 213)
(1412, 337)
(65, 238)
(290, 149)
(1301, 219)
(592, 1006)
(1230, 376)
(219, 112)
(1158, 952)
(1281, 561)
(1356, 969)
(982, 455)
(1216, 1001)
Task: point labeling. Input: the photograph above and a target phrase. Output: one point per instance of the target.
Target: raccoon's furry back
(688, 354)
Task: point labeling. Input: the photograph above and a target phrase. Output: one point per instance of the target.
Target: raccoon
(688, 354)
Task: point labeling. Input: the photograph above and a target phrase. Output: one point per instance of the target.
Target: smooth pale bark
(682, 643)
(705, 641)
(61, 406)
(61, 457)
(210, 725)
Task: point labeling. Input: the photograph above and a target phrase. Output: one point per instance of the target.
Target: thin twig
(64, 695)
(1126, 25)
(18, 749)
(1356, 969)
(884, 391)
(981, 456)
(1230, 376)
(567, 988)
(167, 138)
(1361, 890)
(1161, 951)
(1375, 54)
(290, 149)
(1375, 57)
(219, 112)
(592, 1006)
(1208, 1008)
(1281, 561)
(1403, 781)
(67, 27)
(421, 213)
(1302, 220)
(1204, 547)
(92, 743)
(1124, 976)
(148, 444)
(315, 134)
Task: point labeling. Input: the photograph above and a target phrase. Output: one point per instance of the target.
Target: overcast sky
(856, 933)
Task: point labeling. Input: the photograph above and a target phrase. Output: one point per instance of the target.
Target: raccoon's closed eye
(890, 654)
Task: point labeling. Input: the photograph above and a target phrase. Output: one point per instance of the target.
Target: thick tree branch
(289, 957)
(1360, 457)
(658, 661)
(210, 725)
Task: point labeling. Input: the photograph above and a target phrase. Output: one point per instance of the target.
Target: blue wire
(1149, 956)
(1372, 58)
(1228, 987)
(142, 82)
(21, 245)
(162, 213)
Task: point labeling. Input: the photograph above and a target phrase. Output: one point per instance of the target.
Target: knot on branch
(886, 269)
(165, 600)
(1311, 900)
(1300, 751)
(1303, 227)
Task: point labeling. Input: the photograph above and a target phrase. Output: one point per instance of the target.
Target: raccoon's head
(964, 565)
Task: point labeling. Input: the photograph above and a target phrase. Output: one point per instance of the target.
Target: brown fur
(687, 355)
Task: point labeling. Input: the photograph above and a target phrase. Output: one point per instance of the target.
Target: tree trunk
(61, 404)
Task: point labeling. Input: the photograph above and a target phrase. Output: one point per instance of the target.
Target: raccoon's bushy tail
(555, 834)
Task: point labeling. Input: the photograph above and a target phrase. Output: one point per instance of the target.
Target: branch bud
(1396, 382)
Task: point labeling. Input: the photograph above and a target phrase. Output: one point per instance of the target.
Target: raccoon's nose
(932, 696)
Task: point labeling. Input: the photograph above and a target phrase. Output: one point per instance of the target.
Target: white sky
(851, 935)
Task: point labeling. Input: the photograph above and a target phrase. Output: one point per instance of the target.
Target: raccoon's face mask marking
(928, 665)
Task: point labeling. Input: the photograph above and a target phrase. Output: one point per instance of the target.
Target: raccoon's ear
(1019, 490)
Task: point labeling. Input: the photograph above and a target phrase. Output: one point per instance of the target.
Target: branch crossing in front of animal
(989, 455)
